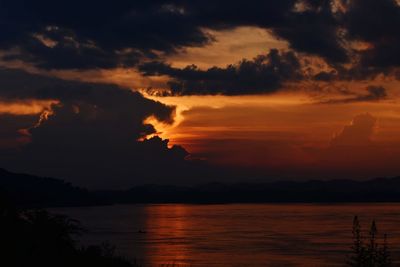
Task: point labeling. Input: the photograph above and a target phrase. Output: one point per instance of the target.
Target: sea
(274, 235)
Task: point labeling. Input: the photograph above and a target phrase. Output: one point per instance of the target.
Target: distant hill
(374, 190)
(33, 191)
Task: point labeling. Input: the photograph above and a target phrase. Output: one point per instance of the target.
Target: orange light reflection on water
(168, 227)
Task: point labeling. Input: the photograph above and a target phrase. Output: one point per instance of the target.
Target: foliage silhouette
(368, 252)
(38, 238)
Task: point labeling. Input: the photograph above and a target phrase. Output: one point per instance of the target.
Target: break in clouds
(356, 39)
(95, 134)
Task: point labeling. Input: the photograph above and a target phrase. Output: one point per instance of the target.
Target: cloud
(373, 29)
(358, 133)
(76, 35)
(314, 30)
(263, 74)
(374, 93)
(90, 136)
(130, 108)
(357, 152)
(376, 22)
(9, 130)
(92, 35)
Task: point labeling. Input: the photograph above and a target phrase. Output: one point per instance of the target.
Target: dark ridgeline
(32, 191)
(368, 252)
(34, 237)
(375, 190)
(37, 238)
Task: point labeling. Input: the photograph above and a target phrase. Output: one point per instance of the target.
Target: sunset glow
(212, 133)
(295, 90)
(29, 107)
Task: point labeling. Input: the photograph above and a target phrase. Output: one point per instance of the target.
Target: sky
(111, 94)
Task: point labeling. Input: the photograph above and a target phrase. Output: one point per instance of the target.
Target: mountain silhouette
(33, 191)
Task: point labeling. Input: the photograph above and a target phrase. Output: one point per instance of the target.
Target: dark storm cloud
(373, 26)
(10, 126)
(314, 31)
(376, 22)
(17, 84)
(90, 34)
(262, 74)
(90, 136)
(104, 34)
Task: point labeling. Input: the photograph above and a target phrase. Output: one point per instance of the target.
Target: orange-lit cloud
(281, 86)
(287, 133)
(25, 107)
(231, 45)
(358, 133)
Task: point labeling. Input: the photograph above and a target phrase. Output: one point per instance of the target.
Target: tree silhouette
(368, 253)
(384, 255)
(357, 258)
(38, 238)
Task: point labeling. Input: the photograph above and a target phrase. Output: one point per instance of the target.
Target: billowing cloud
(293, 141)
(89, 132)
(90, 136)
(76, 35)
(357, 152)
(262, 74)
(375, 22)
(314, 29)
(358, 133)
(73, 35)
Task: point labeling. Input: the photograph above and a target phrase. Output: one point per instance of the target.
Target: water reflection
(235, 235)
(166, 232)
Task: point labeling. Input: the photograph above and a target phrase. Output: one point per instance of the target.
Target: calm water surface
(235, 234)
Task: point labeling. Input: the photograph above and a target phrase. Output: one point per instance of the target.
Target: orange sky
(282, 132)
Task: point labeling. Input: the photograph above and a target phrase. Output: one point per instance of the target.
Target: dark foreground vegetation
(34, 237)
(32, 191)
(37, 238)
(368, 251)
